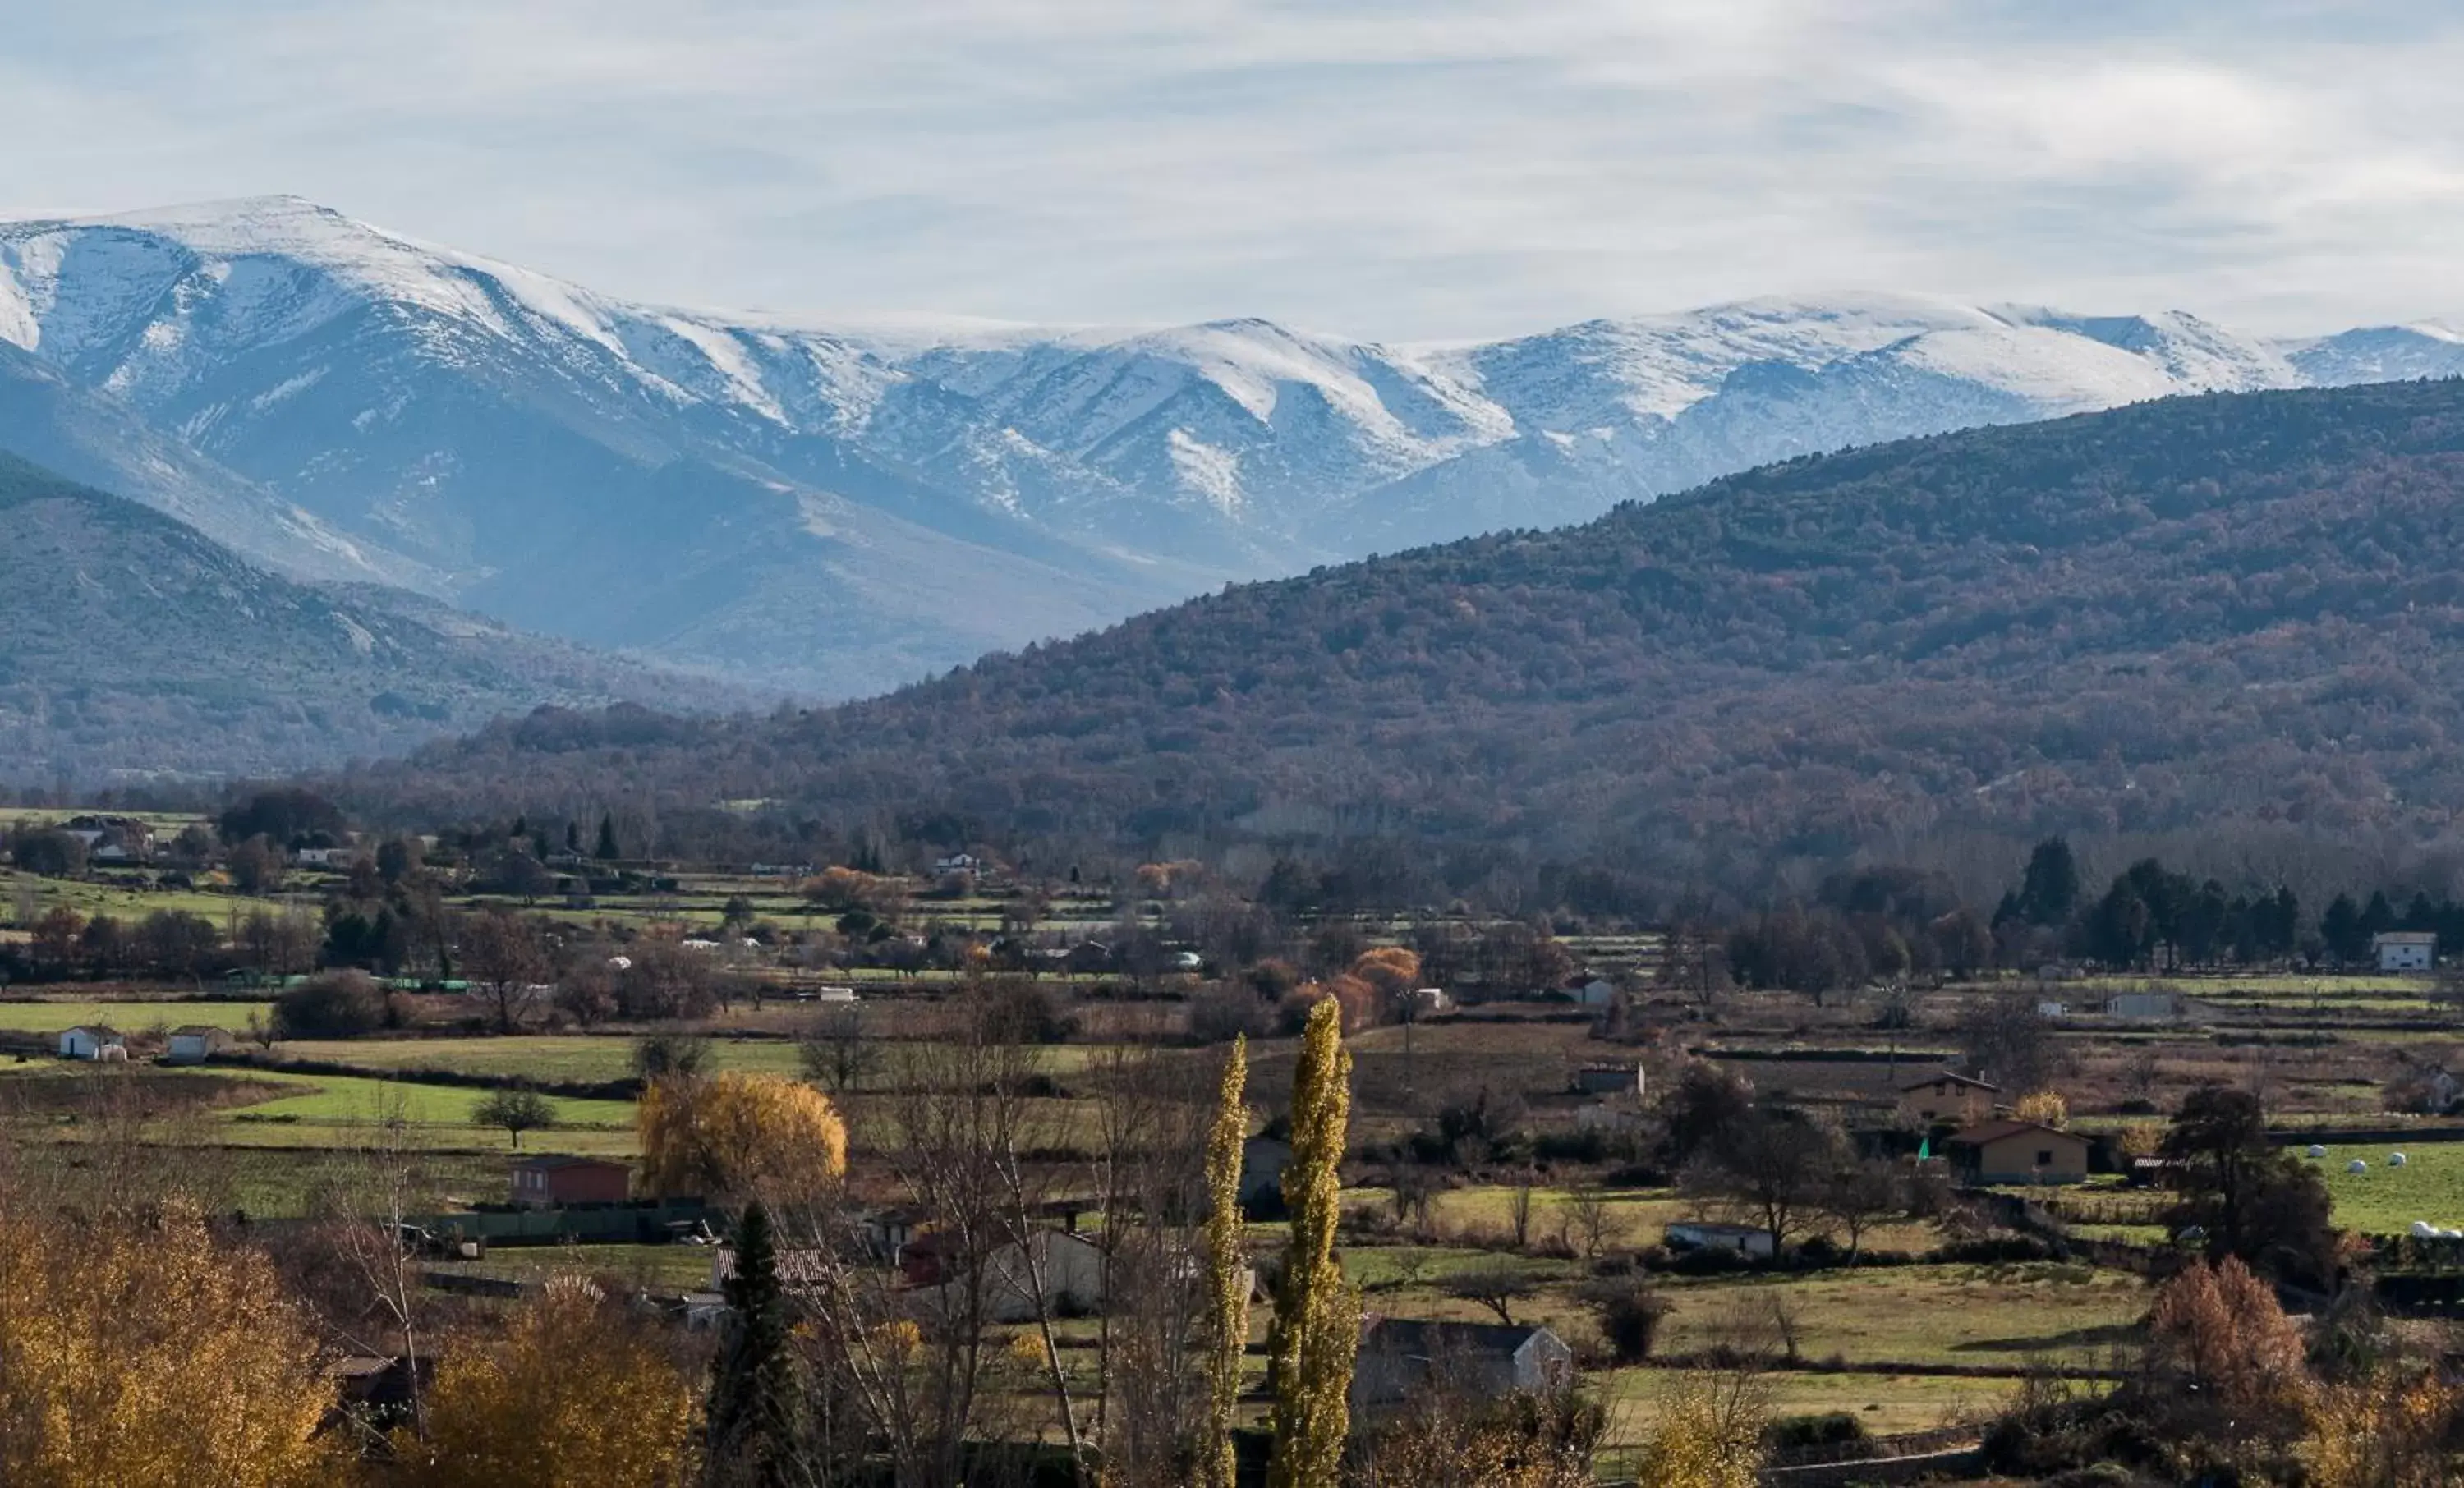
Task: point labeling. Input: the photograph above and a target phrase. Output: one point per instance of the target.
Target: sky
(1399, 169)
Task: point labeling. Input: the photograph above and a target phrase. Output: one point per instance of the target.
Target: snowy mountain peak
(680, 479)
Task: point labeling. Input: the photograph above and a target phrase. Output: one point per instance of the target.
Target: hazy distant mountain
(92, 437)
(2237, 617)
(844, 507)
(133, 646)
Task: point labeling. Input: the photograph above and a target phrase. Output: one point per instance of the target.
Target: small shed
(1610, 1080)
(2018, 1152)
(1400, 1357)
(196, 1043)
(2405, 950)
(1593, 991)
(2155, 1007)
(549, 1180)
(88, 1041)
(1745, 1239)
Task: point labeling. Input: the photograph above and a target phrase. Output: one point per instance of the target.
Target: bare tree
(2004, 1037)
(835, 1051)
(1861, 1194)
(1772, 1167)
(1584, 1215)
(1497, 1288)
(505, 962)
(910, 1367)
(1518, 1205)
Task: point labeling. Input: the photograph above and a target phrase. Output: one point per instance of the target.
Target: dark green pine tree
(753, 1387)
(573, 838)
(608, 850)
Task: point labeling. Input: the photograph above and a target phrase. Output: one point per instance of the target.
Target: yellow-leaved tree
(1706, 1433)
(135, 1352)
(2046, 1108)
(2388, 1430)
(736, 1137)
(1227, 1273)
(1316, 1332)
(576, 1394)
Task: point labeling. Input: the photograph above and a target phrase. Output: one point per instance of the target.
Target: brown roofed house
(1943, 1096)
(2017, 1152)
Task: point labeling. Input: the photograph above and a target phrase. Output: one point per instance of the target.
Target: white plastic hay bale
(2357, 1166)
(2424, 1230)
(2318, 1151)
(2395, 1159)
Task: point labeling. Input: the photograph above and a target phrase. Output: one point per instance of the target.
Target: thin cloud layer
(1399, 168)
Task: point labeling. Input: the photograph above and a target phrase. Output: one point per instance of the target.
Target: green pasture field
(132, 1016)
(165, 823)
(322, 1111)
(348, 1099)
(546, 1058)
(1888, 1404)
(586, 1057)
(662, 1268)
(93, 898)
(2386, 1200)
(2011, 1316)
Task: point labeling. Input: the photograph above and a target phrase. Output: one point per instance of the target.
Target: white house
(1400, 1357)
(88, 1043)
(957, 862)
(2405, 950)
(195, 1044)
(2143, 1006)
(1743, 1239)
(1054, 1272)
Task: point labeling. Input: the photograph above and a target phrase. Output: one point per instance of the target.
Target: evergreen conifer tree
(608, 850)
(752, 1388)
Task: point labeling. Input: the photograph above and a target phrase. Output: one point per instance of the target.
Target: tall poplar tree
(1316, 1333)
(1227, 1273)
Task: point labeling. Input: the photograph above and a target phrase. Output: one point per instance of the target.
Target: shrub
(1630, 1314)
(333, 1005)
(1221, 1013)
(1832, 1428)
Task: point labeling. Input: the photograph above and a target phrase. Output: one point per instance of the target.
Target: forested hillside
(2196, 613)
(134, 648)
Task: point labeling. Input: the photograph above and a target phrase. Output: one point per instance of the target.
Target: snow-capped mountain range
(839, 508)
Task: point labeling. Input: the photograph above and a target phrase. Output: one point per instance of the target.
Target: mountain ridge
(841, 508)
(2233, 615)
(133, 646)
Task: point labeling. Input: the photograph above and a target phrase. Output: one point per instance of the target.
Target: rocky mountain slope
(2233, 613)
(841, 508)
(132, 646)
